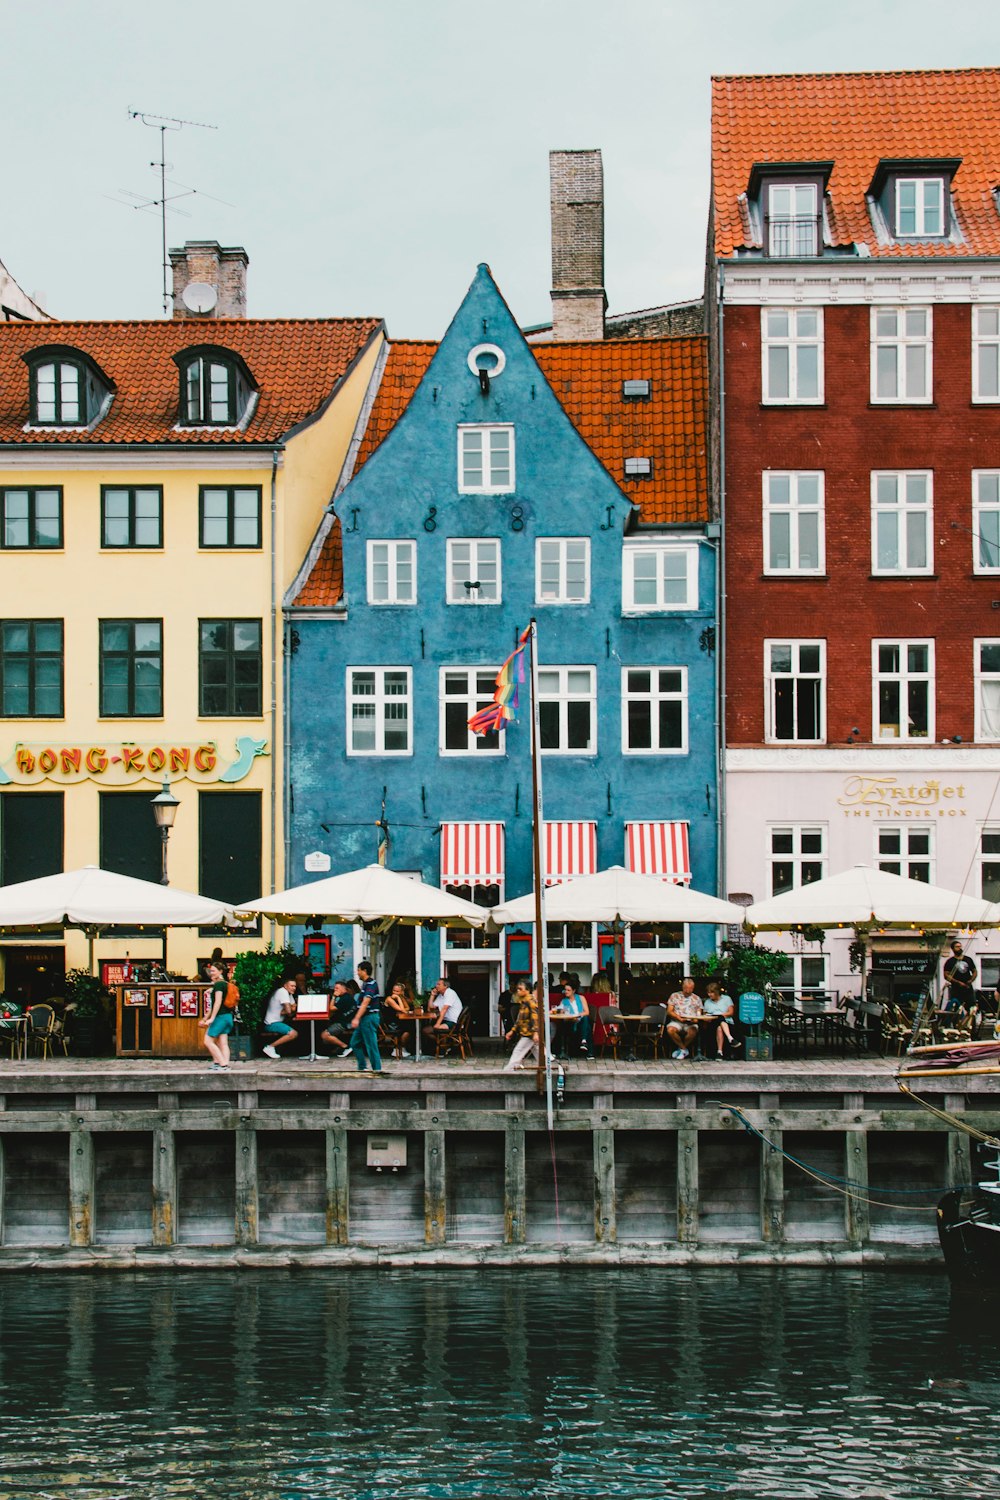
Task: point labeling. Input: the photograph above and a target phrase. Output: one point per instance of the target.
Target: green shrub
(257, 976)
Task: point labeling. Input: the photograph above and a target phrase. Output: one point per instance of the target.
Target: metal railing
(792, 237)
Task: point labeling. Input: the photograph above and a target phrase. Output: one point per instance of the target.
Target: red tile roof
(670, 428)
(855, 120)
(296, 364)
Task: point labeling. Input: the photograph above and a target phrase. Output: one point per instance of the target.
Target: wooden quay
(132, 1163)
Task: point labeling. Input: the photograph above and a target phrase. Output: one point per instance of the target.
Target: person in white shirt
(280, 1006)
(448, 1006)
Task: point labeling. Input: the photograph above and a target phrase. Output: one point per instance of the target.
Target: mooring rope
(949, 1119)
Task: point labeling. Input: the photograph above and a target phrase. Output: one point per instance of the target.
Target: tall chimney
(576, 180)
(210, 281)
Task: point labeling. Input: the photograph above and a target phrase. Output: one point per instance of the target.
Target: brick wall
(576, 193)
(224, 267)
(848, 438)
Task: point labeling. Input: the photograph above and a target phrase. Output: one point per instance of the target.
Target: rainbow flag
(492, 718)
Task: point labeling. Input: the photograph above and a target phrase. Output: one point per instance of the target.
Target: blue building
(491, 481)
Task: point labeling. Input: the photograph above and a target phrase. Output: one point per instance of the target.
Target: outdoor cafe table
(419, 1017)
(16, 1026)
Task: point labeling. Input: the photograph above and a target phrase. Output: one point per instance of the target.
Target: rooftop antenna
(163, 123)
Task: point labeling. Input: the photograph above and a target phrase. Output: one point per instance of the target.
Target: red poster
(187, 1002)
(166, 1003)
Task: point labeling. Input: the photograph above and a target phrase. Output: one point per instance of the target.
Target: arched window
(66, 388)
(216, 387)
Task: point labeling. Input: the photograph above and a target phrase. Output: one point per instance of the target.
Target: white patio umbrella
(865, 897)
(620, 898)
(374, 895)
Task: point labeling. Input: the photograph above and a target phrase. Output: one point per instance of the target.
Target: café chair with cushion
(456, 1040)
(609, 1018)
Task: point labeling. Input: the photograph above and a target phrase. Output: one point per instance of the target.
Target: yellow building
(159, 487)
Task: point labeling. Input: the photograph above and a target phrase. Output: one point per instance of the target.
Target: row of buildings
(277, 563)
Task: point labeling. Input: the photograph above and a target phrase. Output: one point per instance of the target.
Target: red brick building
(854, 299)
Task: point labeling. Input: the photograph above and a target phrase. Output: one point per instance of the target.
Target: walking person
(219, 1022)
(525, 1026)
(365, 1023)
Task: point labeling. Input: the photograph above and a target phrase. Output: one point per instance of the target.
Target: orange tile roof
(670, 428)
(296, 364)
(855, 120)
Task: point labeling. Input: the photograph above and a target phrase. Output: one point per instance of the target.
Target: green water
(534, 1383)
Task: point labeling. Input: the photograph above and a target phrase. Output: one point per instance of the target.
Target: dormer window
(788, 198)
(66, 390)
(215, 388)
(914, 197)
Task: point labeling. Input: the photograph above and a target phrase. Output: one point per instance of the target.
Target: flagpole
(544, 1024)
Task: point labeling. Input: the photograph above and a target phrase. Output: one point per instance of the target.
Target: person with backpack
(219, 1022)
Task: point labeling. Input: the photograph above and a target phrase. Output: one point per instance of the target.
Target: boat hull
(970, 1241)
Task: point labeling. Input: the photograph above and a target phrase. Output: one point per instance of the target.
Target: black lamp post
(164, 806)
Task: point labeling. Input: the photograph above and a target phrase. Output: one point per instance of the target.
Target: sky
(368, 154)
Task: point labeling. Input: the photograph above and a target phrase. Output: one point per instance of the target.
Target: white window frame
(380, 700)
(654, 696)
(796, 856)
(987, 857)
(985, 341)
(659, 553)
(920, 231)
(794, 342)
(456, 591)
(903, 341)
(798, 985)
(903, 481)
(636, 954)
(796, 221)
(985, 506)
(795, 509)
(474, 700)
(561, 544)
(771, 678)
(564, 697)
(906, 858)
(904, 677)
(981, 678)
(488, 486)
(396, 550)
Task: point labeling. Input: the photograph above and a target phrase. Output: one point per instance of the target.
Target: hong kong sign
(126, 763)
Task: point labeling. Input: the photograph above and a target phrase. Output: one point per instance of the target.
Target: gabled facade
(855, 291)
(158, 485)
(493, 482)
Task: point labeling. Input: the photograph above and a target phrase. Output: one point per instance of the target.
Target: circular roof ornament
(488, 357)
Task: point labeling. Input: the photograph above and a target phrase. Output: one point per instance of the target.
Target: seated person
(719, 1006)
(448, 1006)
(684, 1008)
(525, 1026)
(397, 1006)
(575, 1025)
(343, 1009)
(280, 1008)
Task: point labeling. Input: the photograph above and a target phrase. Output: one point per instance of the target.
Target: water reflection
(502, 1383)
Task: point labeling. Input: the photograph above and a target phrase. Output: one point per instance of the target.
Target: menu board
(136, 997)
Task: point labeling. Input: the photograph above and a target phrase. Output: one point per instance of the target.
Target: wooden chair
(42, 1029)
(456, 1040)
(609, 1018)
(788, 1030)
(652, 1030)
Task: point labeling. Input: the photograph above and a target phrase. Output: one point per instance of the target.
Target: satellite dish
(199, 296)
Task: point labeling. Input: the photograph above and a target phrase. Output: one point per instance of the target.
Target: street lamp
(164, 806)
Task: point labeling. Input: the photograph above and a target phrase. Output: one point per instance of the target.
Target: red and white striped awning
(472, 853)
(659, 849)
(570, 850)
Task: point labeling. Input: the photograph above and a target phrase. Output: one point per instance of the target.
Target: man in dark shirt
(960, 975)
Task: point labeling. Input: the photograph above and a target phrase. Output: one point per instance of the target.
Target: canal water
(528, 1383)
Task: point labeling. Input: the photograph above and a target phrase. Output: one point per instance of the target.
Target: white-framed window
(791, 354)
(659, 576)
(485, 460)
(797, 855)
(919, 207)
(989, 863)
(986, 520)
(986, 354)
(792, 220)
(562, 570)
(904, 849)
(469, 939)
(903, 690)
(463, 692)
(795, 678)
(987, 676)
(379, 711)
(654, 711)
(901, 354)
(902, 515)
(567, 710)
(392, 572)
(474, 570)
(793, 521)
(805, 974)
(656, 943)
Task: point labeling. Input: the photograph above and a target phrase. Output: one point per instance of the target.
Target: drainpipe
(720, 604)
(275, 459)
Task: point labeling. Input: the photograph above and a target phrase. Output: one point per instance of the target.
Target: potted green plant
(88, 1022)
(256, 976)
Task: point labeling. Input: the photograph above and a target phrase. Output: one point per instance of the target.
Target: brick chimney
(201, 263)
(576, 180)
